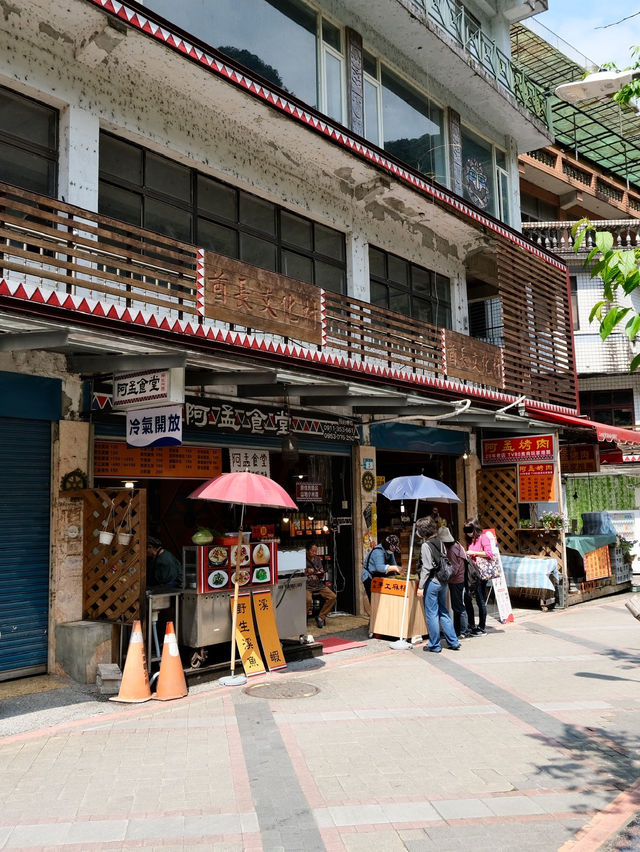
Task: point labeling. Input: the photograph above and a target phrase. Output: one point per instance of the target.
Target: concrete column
(514, 184)
(79, 157)
(70, 450)
(358, 267)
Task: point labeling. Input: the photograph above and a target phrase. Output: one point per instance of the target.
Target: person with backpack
(435, 573)
(380, 560)
(458, 558)
(478, 546)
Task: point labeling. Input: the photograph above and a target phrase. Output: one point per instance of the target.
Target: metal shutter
(25, 462)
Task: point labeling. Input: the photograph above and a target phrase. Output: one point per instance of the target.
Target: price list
(115, 458)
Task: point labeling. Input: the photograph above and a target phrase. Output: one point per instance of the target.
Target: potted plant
(524, 523)
(627, 550)
(108, 531)
(552, 521)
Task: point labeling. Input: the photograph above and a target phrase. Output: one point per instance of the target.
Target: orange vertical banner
(246, 638)
(268, 630)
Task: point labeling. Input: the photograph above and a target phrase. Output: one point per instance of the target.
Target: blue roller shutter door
(25, 462)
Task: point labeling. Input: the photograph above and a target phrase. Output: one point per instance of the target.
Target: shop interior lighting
(402, 507)
(129, 483)
(285, 519)
(325, 528)
(465, 456)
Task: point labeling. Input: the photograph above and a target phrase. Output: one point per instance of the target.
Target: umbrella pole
(401, 644)
(234, 679)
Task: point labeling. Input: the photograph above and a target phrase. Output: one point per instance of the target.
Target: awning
(604, 432)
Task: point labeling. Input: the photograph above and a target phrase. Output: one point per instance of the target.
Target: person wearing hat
(380, 560)
(163, 569)
(433, 591)
(458, 558)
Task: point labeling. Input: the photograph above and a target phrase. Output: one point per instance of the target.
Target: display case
(211, 567)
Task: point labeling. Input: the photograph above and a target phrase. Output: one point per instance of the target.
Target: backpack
(444, 570)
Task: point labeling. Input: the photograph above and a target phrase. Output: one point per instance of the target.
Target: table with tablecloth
(529, 572)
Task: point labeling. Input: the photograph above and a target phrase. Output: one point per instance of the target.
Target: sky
(590, 26)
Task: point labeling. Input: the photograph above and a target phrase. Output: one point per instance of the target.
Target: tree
(630, 91)
(619, 270)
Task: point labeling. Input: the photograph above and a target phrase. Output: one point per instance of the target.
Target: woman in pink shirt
(478, 544)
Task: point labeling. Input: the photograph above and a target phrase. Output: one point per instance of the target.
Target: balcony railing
(124, 270)
(465, 31)
(556, 236)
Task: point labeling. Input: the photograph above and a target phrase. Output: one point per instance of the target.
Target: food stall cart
(209, 572)
(387, 600)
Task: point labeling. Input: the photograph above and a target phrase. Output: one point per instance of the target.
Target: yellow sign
(388, 586)
(266, 620)
(246, 638)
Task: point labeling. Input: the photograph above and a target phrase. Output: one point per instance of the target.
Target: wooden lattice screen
(114, 575)
(498, 504)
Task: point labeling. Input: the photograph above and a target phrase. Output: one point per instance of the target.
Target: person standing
(458, 558)
(163, 569)
(478, 544)
(434, 592)
(316, 585)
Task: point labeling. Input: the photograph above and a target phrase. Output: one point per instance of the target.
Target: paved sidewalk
(525, 739)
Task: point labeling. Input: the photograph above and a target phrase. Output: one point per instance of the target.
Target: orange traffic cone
(171, 680)
(134, 688)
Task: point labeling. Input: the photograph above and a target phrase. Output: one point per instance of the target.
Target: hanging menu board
(115, 459)
(536, 483)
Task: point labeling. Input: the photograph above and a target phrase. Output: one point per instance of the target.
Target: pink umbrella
(244, 489)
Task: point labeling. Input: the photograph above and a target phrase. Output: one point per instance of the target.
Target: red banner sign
(579, 458)
(536, 483)
(534, 448)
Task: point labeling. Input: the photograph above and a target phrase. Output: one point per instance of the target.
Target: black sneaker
(478, 631)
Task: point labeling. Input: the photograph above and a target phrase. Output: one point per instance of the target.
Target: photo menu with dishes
(218, 565)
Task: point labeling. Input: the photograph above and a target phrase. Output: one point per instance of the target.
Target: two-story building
(296, 221)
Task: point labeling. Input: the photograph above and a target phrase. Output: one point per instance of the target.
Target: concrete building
(303, 218)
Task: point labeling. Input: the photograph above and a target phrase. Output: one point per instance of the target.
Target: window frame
(420, 298)
(500, 173)
(50, 155)
(198, 214)
(595, 410)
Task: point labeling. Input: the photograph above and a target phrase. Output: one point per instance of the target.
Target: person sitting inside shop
(316, 585)
(163, 569)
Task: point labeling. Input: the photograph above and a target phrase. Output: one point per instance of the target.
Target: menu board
(213, 566)
(536, 483)
(579, 458)
(534, 448)
(116, 459)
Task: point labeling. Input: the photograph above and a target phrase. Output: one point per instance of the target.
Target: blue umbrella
(417, 487)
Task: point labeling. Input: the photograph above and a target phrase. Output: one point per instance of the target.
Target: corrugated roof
(598, 130)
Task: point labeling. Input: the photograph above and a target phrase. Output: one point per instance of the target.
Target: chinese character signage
(473, 360)
(247, 459)
(308, 492)
(237, 293)
(512, 450)
(246, 638)
(116, 459)
(579, 458)
(536, 483)
(154, 427)
(245, 419)
(268, 631)
(151, 387)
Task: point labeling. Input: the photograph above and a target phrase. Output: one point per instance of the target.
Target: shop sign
(537, 483)
(472, 360)
(155, 427)
(243, 459)
(536, 448)
(150, 387)
(308, 492)
(240, 419)
(268, 631)
(579, 458)
(235, 292)
(116, 459)
(246, 638)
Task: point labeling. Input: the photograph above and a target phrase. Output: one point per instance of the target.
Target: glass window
(255, 36)
(371, 112)
(120, 203)
(370, 64)
(214, 197)
(331, 35)
(296, 230)
(413, 127)
(409, 289)
(220, 218)
(614, 407)
(478, 185)
(28, 143)
(217, 238)
(121, 159)
(257, 213)
(168, 178)
(297, 266)
(167, 219)
(333, 86)
(575, 313)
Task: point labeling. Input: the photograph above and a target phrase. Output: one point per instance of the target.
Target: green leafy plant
(525, 524)
(552, 521)
(626, 547)
(619, 271)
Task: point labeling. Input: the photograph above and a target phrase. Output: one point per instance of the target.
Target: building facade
(306, 211)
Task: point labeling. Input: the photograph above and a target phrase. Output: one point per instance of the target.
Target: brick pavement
(527, 738)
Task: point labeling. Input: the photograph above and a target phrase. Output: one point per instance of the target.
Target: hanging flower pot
(106, 535)
(124, 531)
(124, 538)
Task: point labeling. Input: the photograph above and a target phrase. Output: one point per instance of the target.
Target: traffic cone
(134, 688)
(171, 680)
